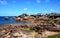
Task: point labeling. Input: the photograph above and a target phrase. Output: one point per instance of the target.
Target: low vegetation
(54, 36)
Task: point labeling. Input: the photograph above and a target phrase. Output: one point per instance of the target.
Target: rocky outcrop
(6, 18)
(39, 23)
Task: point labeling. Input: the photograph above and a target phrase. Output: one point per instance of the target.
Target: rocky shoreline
(41, 26)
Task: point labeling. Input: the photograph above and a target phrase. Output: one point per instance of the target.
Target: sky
(18, 7)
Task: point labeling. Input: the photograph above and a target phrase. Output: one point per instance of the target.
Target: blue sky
(17, 7)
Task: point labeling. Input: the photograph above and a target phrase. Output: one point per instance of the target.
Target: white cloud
(25, 9)
(3, 2)
(38, 1)
(52, 10)
(47, 1)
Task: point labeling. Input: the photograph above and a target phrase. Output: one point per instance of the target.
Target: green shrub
(54, 36)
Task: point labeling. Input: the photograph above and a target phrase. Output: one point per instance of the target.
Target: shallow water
(11, 21)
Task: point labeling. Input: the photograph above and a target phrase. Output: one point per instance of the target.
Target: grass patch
(34, 33)
(31, 29)
(54, 36)
(26, 28)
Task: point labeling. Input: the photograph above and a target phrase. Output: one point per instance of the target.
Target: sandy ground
(48, 33)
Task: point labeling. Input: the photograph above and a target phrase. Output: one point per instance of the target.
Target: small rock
(16, 34)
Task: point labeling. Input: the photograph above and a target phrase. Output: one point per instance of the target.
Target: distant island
(38, 26)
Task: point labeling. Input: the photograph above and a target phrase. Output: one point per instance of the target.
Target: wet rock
(6, 18)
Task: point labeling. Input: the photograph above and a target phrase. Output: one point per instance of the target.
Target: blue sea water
(10, 20)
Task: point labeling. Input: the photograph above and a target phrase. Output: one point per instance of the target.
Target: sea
(10, 21)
